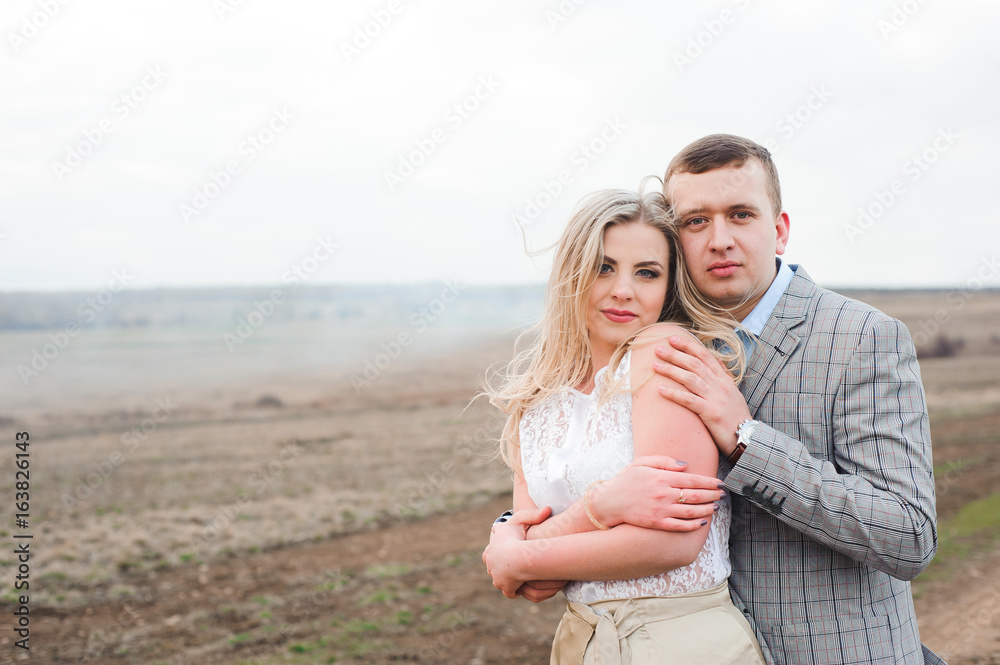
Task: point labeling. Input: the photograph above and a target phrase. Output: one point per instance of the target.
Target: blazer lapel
(775, 345)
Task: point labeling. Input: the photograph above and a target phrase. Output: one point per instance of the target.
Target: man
(827, 435)
(834, 507)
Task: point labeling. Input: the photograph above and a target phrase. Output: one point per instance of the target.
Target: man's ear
(781, 224)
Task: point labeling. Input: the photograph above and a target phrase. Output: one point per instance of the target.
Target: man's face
(729, 232)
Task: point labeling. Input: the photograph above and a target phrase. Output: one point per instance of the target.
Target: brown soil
(364, 545)
(409, 592)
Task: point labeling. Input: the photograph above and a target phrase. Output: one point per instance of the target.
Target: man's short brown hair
(717, 151)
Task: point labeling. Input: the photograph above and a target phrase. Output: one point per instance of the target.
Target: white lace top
(567, 443)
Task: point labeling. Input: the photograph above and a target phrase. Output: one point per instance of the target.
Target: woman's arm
(625, 551)
(615, 501)
(668, 434)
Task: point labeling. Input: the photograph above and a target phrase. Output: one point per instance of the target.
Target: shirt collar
(757, 319)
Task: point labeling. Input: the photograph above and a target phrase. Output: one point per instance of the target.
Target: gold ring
(680, 499)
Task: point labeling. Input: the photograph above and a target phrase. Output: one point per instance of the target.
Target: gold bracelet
(586, 506)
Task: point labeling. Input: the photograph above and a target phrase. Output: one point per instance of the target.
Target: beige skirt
(697, 627)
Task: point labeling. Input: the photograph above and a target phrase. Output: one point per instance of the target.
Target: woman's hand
(538, 590)
(501, 558)
(504, 554)
(654, 492)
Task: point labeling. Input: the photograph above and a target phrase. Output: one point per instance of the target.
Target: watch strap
(743, 432)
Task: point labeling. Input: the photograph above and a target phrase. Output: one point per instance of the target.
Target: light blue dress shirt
(757, 319)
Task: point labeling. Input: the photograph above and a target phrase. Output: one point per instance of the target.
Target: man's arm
(874, 502)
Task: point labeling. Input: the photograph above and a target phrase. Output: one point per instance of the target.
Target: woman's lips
(619, 316)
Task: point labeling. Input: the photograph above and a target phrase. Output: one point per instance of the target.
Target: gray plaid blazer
(833, 500)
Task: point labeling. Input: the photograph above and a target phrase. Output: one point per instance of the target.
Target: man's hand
(648, 493)
(501, 555)
(708, 388)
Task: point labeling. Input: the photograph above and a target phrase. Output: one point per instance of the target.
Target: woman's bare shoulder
(647, 338)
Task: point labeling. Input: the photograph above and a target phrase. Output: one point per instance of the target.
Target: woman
(582, 401)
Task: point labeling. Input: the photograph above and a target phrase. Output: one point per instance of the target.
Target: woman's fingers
(531, 516)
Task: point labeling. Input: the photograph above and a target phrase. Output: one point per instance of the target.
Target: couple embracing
(714, 459)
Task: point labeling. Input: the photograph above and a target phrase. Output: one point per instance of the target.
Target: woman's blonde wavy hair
(556, 352)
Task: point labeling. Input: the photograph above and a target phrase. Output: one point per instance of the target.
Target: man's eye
(742, 215)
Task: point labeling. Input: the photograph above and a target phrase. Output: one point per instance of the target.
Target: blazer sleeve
(873, 500)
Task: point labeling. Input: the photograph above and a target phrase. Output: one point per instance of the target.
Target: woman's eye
(605, 268)
(648, 274)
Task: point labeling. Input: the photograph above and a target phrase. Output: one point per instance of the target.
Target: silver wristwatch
(743, 434)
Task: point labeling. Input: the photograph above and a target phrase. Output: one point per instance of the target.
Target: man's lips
(723, 268)
(619, 315)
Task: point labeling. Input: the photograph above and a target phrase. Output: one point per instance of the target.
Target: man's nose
(722, 237)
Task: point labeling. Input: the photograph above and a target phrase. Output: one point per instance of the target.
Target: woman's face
(630, 287)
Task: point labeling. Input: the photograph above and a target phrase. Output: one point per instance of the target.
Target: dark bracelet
(503, 518)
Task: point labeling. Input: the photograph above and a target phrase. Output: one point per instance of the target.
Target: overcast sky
(228, 142)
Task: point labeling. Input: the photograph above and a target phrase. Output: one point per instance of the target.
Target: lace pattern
(568, 442)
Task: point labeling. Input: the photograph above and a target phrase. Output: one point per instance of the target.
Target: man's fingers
(684, 398)
(685, 377)
(691, 347)
(691, 355)
(675, 358)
